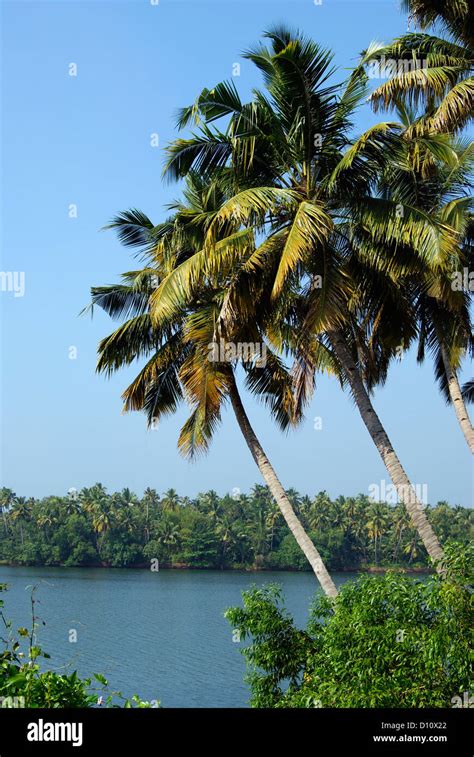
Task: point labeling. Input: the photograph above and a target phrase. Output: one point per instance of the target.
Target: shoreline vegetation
(96, 529)
(181, 566)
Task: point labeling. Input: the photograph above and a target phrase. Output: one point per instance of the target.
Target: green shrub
(388, 641)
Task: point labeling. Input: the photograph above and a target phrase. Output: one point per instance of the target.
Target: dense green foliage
(386, 640)
(92, 527)
(24, 684)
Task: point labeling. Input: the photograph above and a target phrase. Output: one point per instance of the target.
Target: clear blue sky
(86, 140)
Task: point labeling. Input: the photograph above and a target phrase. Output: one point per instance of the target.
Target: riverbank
(239, 568)
(97, 529)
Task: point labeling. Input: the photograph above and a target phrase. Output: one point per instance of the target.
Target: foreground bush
(24, 684)
(389, 641)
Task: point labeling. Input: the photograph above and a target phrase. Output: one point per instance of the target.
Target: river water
(160, 635)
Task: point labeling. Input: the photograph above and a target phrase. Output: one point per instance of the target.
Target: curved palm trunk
(278, 492)
(458, 401)
(404, 488)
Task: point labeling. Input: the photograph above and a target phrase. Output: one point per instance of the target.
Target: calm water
(160, 635)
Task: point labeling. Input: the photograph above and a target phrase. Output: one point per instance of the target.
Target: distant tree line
(94, 528)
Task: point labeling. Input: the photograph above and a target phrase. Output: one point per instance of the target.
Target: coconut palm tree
(150, 499)
(71, 505)
(431, 72)
(301, 181)
(448, 344)
(124, 517)
(170, 501)
(100, 507)
(126, 498)
(168, 534)
(179, 340)
(433, 171)
(338, 512)
(377, 525)
(211, 504)
(319, 517)
(21, 513)
(401, 522)
(229, 537)
(47, 518)
(7, 499)
(412, 548)
(273, 516)
(406, 492)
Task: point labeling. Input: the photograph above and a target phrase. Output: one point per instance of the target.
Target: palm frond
(456, 109)
(309, 230)
(468, 391)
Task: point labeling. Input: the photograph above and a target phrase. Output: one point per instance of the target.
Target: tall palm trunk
(278, 492)
(397, 546)
(147, 523)
(402, 483)
(4, 518)
(458, 400)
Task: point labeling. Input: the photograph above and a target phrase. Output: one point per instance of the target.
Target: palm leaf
(309, 230)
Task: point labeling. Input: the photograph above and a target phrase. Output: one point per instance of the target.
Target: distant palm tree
(401, 523)
(229, 535)
(412, 548)
(354, 516)
(126, 498)
(150, 500)
(125, 519)
(377, 525)
(7, 498)
(47, 518)
(295, 499)
(71, 506)
(101, 510)
(319, 516)
(339, 512)
(168, 534)
(211, 504)
(21, 513)
(273, 516)
(101, 518)
(170, 501)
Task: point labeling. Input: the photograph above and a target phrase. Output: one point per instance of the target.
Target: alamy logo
(388, 67)
(13, 281)
(383, 492)
(227, 352)
(464, 701)
(12, 702)
(42, 731)
(462, 280)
